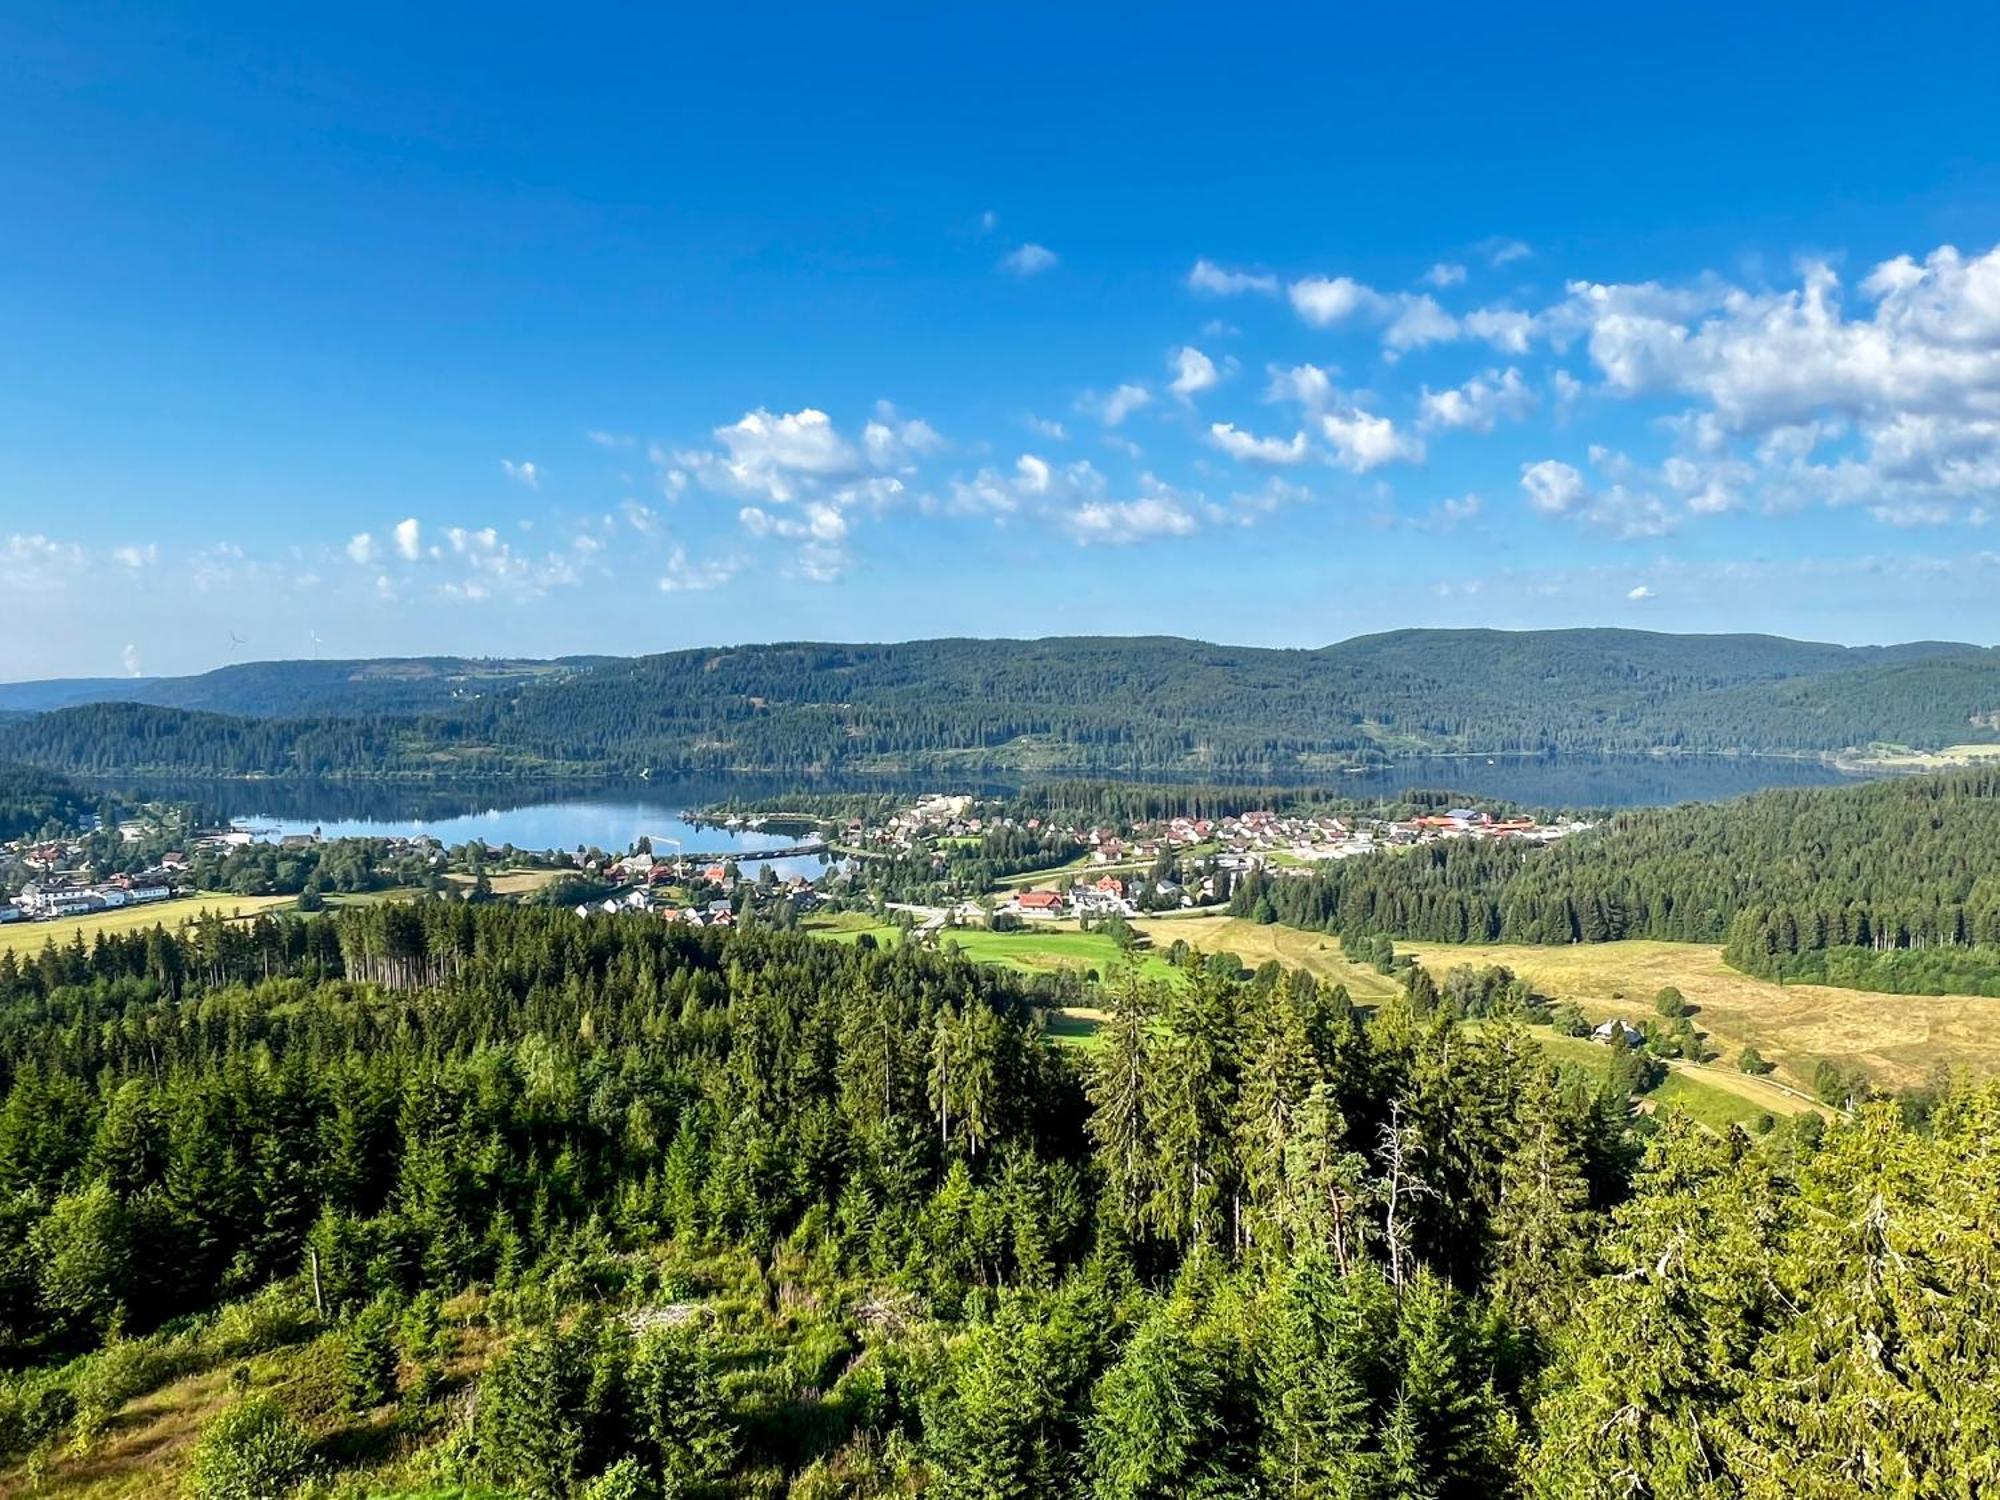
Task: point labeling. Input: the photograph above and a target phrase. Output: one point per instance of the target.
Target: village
(1150, 866)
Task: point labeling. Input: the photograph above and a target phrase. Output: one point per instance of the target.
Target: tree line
(752, 1212)
(1892, 885)
(1083, 703)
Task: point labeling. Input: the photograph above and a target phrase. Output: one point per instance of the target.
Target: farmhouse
(1610, 1031)
(1046, 903)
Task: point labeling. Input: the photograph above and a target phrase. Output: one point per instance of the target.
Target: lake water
(527, 818)
(539, 817)
(1588, 781)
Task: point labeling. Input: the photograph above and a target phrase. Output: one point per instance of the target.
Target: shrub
(1671, 1003)
(253, 1451)
(368, 1358)
(1751, 1061)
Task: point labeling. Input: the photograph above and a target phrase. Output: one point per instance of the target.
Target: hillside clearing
(28, 938)
(1901, 1040)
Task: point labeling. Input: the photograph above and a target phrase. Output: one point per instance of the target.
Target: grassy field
(1039, 948)
(29, 937)
(1257, 943)
(1899, 1039)
(1902, 758)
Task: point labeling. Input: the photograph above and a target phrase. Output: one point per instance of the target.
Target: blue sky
(370, 332)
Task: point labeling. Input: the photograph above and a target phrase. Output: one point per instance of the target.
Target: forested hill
(286, 689)
(444, 1199)
(31, 799)
(1153, 704)
(1892, 885)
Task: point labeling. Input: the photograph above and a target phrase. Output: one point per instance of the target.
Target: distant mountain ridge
(272, 689)
(1152, 704)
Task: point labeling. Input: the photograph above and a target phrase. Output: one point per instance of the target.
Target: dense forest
(1149, 704)
(33, 799)
(545, 1208)
(1892, 885)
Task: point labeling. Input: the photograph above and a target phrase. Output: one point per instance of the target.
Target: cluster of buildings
(53, 896)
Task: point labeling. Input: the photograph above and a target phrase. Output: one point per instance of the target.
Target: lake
(562, 816)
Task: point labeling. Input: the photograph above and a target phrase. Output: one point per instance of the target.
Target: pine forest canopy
(599, 1208)
(1151, 705)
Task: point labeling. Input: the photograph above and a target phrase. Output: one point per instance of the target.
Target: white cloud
(1554, 488)
(1444, 274)
(1311, 386)
(1249, 448)
(988, 222)
(1362, 441)
(361, 547)
(1116, 522)
(1417, 321)
(1028, 260)
(773, 458)
(1639, 593)
(1558, 489)
(409, 539)
(1450, 514)
(893, 443)
(1193, 372)
(130, 658)
(1326, 301)
(1048, 428)
(605, 439)
(1505, 329)
(816, 521)
(522, 473)
(1113, 409)
(1500, 250)
(1480, 403)
(1208, 277)
(136, 557)
(1033, 474)
(684, 575)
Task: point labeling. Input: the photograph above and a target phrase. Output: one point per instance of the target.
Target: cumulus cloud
(685, 575)
(1048, 427)
(772, 458)
(1217, 281)
(1327, 301)
(1639, 593)
(1028, 260)
(522, 473)
(361, 547)
(1557, 489)
(1113, 409)
(129, 658)
(1362, 441)
(1249, 448)
(409, 536)
(1408, 320)
(1311, 386)
(1444, 274)
(893, 442)
(1479, 403)
(1116, 522)
(1193, 372)
(136, 557)
(1909, 385)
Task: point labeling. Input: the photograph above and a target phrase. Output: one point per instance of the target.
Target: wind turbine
(313, 636)
(236, 643)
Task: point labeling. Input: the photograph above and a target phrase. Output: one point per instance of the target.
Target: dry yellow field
(1900, 1039)
(29, 937)
(1255, 943)
(508, 882)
